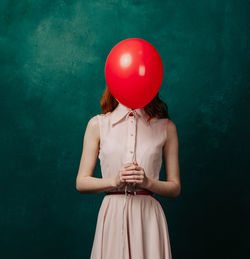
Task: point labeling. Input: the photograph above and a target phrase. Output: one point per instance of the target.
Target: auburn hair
(156, 108)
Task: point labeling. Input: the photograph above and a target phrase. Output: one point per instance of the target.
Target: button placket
(131, 136)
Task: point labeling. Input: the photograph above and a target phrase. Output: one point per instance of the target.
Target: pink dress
(131, 226)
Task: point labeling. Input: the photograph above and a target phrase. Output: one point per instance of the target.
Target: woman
(131, 223)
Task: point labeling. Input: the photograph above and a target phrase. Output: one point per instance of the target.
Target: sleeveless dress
(131, 226)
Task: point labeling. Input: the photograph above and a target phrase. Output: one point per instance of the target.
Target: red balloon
(134, 72)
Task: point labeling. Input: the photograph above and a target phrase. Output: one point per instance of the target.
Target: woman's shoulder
(166, 125)
(97, 120)
(167, 122)
(96, 117)
(94, 122)
(171, 129)
(101, 115)
(171, 125)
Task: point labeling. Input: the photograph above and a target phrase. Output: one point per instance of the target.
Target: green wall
(52, 77)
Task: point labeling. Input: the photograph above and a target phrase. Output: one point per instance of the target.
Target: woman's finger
(132, 167)
(132, 172)
(128, 177)
(127, 165)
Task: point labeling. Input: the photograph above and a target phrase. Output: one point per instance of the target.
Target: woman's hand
(135, 174)
(118, 181)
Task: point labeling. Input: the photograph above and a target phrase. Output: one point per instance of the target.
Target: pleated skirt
(131, 227)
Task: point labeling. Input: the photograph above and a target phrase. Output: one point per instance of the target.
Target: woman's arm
(171, 187)
(85, 183)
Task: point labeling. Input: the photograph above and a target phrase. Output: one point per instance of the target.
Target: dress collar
(122, 111)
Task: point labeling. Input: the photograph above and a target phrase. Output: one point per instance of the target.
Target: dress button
(131, 151)
(131, 121)
(131, 134)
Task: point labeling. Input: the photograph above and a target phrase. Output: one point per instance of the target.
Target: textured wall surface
(52, 57)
